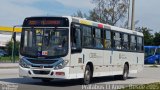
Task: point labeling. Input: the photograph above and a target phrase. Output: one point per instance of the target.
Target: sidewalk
(152, 66)
(8, 65)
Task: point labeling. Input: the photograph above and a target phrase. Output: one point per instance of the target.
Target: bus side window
(117, 40)
(157, 51)
(87, 37)
(139, 44)
(98, 41)
(125, 44)
(107, 40)
(133, 43)
(75, 40)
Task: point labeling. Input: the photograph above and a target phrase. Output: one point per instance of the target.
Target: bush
(9, 48)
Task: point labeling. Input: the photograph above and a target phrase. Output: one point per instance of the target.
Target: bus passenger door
(76, 49)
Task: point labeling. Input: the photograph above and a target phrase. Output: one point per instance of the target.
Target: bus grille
(41, 72)
(42, 61)
(38, 66)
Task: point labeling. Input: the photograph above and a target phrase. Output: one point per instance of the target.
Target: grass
(152, 86)
(8, 59)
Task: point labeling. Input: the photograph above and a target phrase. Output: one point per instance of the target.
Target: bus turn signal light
(60, 73)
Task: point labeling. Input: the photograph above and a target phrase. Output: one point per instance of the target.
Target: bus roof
(105, 26)
(96, 24)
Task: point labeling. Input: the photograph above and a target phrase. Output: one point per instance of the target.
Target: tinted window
(117, 40)
(76, 38)
(139, 44)
(125, 44)
(87, 36)
(133, 43)
(107, 40)
(98, 41)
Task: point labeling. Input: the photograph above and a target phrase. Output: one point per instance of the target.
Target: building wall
(5, 37)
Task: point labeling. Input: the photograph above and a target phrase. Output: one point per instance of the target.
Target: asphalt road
(9, 80)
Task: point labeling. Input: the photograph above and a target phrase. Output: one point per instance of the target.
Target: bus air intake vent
(42, 61)
(41, 72)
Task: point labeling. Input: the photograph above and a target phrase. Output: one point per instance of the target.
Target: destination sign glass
(46, 22)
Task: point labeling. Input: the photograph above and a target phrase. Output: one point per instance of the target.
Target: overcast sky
(13, 12)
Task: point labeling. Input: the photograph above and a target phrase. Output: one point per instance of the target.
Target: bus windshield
(44, 42)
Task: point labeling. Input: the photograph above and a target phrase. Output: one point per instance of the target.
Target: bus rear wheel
(156, 62)
(87, 75)
(125, 72)
(124, 76)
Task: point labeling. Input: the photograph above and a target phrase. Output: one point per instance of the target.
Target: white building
(5, 37)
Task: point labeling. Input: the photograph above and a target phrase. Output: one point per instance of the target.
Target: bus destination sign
(46, 22)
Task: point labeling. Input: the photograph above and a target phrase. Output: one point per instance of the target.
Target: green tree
(109, 11)
(157, 39)
(148, 37)
(80, 14)
(9, 48)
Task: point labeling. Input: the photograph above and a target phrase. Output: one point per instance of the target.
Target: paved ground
(8, 65)
(9, 80)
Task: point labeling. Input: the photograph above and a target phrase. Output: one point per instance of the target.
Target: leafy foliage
(80, 14)
(113, 11)
(149, 38)
(156, 39)
(9, 48)
(109, 11)
(106, 11)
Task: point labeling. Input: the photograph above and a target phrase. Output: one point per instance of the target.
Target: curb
(152, 66)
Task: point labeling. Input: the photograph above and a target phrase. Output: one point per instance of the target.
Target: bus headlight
(61, 65)
(24, 63)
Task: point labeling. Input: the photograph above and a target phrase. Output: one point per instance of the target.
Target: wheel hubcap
(126, 73)
(87, 75)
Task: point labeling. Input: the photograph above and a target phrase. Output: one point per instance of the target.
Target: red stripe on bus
(100, 25)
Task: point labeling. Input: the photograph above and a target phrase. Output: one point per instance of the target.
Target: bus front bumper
(44, 73)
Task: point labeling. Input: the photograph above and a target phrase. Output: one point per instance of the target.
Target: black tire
(125, 72)
(46, 80)
(124, 76)
(87, 75)
(157, 62)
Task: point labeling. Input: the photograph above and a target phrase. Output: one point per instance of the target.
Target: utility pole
(133, 15)
(128, 22)
(13, 44)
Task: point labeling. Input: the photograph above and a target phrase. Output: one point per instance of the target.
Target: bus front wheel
(87, 75)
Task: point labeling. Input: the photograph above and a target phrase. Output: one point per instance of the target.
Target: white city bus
(71, 48)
